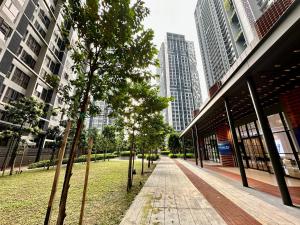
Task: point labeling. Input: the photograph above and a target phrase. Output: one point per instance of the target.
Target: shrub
(165, 152)
(172, 156)
(179, 155)
(153, 157)
(125, 153)
(82, 158)
(190, 155)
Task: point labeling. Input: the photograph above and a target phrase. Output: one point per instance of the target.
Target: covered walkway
(178, 192)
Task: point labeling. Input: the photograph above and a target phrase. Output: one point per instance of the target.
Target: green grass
(24, 197)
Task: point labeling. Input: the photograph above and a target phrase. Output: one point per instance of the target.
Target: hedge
(82, 158)
(153, 157)
(125, 153)
(178, 155)
(172, 156)
(165, 152)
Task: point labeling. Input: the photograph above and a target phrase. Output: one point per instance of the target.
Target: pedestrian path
(261, 181)
(178, 192)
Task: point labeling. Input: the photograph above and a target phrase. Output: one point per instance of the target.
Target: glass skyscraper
(179, 78)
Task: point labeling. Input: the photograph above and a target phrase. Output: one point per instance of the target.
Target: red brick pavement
(259, 185)
(230, 212)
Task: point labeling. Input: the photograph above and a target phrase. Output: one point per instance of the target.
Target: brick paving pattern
(179, 193)
(230, 212)
(261, 186)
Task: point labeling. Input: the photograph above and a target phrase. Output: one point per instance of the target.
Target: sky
(175, 16)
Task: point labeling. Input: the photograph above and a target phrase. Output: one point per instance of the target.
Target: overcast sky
(175, 16)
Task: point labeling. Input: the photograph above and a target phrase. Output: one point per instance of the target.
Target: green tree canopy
(174, 143)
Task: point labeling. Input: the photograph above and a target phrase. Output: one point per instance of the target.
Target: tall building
(226, 27)
(221, 37)
(31, 51)
(101, 120)
(179, 78)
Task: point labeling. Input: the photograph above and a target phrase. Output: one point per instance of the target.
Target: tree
(143, 103)
(25, 113)
(54, 133)
(174, 143)
(113, 50)
(153, 132)
(109, 137)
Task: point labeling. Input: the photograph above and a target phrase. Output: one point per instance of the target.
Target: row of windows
(33, 45)
(5, 29)
(44, 18)
(20, 78)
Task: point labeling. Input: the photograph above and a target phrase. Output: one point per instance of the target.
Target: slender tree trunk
(149, 159)
(68, 174)
(133, 158)
(86, 178)
(104, 153)
(143, 156)
(22, 159)
(52, 158)
(129, 181)
(14, 156)
(11, 147)
(61, 154)
(40, 148)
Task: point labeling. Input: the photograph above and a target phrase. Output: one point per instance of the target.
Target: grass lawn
(24, 197)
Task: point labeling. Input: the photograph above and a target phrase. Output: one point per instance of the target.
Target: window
(10, 10)
(5, 29)
(20, 48)
(20, 78)
(47, 61)
(41, 92)
(38, 90)
(28, 60)
(33, 45)
(10, 70)
(44, 74)
(25, 35)
(40, 29)
(11, 95)
(44, 18)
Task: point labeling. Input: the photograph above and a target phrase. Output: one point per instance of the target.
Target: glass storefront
(254, 153)
(211, 148)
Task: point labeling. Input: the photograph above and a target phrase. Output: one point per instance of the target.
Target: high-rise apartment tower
(179, 78)
(32, 49)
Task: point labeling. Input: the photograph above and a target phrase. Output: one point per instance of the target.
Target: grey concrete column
(236, 144)
(270, 144)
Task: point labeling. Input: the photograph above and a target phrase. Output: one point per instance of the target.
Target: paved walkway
(178, 192)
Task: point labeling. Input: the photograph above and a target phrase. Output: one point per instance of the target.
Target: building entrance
(254, 155)
(211, 148)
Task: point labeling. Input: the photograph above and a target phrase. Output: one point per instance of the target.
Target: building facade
(179, 79)
(253, 120)
(227, 27)
(221, 37)
(101, 120)
(32, 51)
